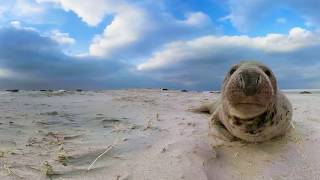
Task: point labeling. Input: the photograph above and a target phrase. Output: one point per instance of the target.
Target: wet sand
(143, 134)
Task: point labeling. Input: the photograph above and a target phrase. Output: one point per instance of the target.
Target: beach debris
(58, 138)
(157, 117)
(1, 154)
(10, 172)
(184, 90)
(62, 91)
(123, 177)
(235, 155)
(12, 90)
(63, 158)
(164, 149)
(47, 169)
(164, 89)
(215, 92)
(109, 122)
(148, 125)
(79, 90)
(52, 113)
(305, 92)
(191, 124)
(46, 90)
(70, 137)
(116, 142)
(292, 125)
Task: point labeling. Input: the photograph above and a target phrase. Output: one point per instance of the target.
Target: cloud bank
(30, 60)
(143, 44)
(204, 60)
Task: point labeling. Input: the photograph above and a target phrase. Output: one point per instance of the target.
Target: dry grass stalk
(10, 172)
(108, 149)
(47, 169)
(148, 125)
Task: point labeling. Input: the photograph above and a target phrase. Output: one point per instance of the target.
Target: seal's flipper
(208, 108)
(205, 108)
(218, 130)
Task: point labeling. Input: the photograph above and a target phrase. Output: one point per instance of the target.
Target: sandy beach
(143, 134)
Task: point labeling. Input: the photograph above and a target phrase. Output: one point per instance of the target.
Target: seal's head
(249, 88)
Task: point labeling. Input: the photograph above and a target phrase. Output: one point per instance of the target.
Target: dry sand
(148, 134)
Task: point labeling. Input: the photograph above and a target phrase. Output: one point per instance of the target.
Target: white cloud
(15, 24)
(208, 46)
(27, 8)
(197, 19)
(135, 27)
(92, 12)
(5, 73)
(126, 28)
(281, 20)
(61, 38)
(18, 25)
(27, 11)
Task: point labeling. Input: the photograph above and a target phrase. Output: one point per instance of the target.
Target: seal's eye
(233, 70)
(267, 72)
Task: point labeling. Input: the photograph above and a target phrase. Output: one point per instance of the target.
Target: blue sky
(181, 44)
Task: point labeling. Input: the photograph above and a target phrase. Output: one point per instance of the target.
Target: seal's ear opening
(267, 72)
(233, 69)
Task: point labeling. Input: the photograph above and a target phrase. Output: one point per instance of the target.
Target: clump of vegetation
(47, 169)
(63, 158)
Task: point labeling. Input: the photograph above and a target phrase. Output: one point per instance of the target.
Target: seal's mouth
(254, 104)
(259, 117)
(247, 110)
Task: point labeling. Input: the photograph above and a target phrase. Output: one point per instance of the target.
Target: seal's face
(248, 89)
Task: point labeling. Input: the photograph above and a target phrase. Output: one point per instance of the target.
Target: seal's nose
(249, 82)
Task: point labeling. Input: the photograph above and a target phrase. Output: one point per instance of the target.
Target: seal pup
(251, 107)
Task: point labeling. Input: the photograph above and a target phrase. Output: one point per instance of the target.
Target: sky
(177, 44)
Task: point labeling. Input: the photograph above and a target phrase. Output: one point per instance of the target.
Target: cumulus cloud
(29, 60)
(57, 36)
(28, 10)
(92, 12)
(242, 12)
(61, 38)
(205, 46)
(164, 49)
(206, 59)
(140, 30)
(136, 28)
(15, 24)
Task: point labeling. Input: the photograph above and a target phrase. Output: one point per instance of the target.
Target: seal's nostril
(258, 81)
(242, 82)
(249, 82)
